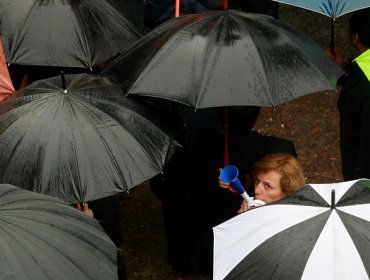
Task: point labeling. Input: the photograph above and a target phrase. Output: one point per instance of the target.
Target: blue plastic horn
(229, 174)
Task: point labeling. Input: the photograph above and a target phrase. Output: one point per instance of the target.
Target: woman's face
(267, 187)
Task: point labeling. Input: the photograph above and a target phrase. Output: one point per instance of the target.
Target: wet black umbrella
(79, 33)
(223, 58)
(79, 144)
(319, 232)
(42, 237)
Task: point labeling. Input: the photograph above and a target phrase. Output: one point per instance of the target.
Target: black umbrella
(223, 58)
(79, 142)
(319, 232)
(79, 33)
(42, 237)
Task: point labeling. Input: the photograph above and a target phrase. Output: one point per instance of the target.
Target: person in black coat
(192, 202)
(354, 104)
(217, 205)
(267, 7)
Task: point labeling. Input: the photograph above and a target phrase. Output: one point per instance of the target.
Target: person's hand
(225, 185)
(243, 207)
(337, 57)
(85, 209)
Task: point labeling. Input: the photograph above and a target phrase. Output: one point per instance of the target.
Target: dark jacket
(354, 110)
(159, 11)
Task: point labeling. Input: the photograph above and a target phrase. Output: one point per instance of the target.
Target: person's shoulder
(360, 83)
(273, 144)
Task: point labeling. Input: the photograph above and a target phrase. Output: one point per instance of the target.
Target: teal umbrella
(330, 8)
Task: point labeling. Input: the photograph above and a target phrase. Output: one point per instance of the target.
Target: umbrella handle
(332, 206)
(63, 82)
(332, 38)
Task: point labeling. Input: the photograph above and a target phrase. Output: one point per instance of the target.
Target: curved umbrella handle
(63, 82)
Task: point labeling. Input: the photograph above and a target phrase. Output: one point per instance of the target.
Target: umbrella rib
(210, 43)
(170, 38)
(299, 49)
(114, 161)
(259, 57)
(6, 244)
(75, 153)
(83, 41)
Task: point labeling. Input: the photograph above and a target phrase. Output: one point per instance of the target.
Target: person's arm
(337, 57)
(243, 207)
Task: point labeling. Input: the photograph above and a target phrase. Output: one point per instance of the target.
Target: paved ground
(311, 122)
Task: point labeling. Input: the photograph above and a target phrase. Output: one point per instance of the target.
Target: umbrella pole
(226, 138)
(177, 8)
(225, 5)
(332, 39)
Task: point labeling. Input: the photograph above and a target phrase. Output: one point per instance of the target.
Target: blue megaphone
(229, 174)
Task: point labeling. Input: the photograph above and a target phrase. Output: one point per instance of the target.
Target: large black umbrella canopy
(319, 232)
(42, 237)
(225, 58)
(79, 144)
(65, 33)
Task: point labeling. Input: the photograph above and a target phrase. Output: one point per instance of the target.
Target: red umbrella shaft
(177, 8)
(225, 5)
(226, 138)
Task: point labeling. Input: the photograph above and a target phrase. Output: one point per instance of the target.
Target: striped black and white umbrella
(319, 232)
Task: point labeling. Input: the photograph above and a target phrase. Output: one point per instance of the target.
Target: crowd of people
(194, 198)
(193, 202)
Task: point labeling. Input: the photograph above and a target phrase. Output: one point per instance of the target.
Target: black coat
(354, 110)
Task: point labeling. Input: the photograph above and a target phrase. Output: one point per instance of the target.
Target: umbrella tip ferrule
(65, 91)
(332, 206)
